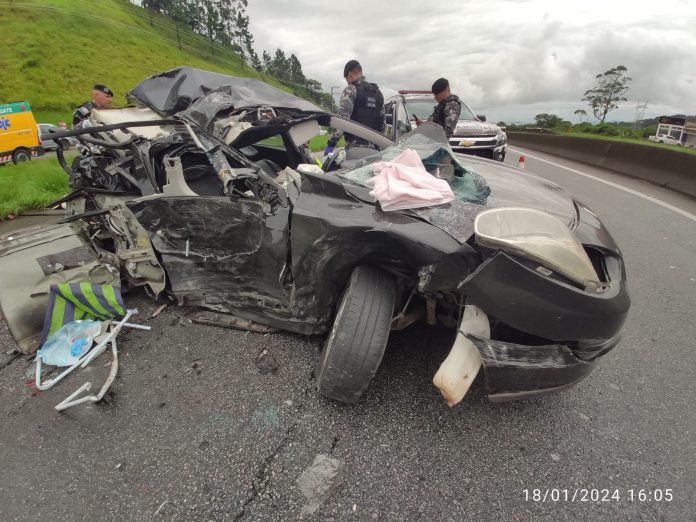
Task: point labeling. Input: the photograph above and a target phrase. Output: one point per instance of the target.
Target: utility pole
(640, 112)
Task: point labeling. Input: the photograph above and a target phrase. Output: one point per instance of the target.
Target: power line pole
(640, 112)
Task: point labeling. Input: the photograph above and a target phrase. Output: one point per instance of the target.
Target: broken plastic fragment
(459, 369)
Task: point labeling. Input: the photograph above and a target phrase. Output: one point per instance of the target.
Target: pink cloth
(404, 183)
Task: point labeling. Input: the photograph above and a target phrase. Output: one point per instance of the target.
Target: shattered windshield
(438, 159)
(471, 191)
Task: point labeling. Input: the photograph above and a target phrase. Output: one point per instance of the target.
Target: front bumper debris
(515, 371)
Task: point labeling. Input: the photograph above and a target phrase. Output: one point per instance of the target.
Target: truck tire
(354, 348)
(21, 155)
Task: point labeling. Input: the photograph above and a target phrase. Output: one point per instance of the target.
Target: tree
(609, 91)
(295, 70)
(547, 121)
(581, 113)
(266, 62)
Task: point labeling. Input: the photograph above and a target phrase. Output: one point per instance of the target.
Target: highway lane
(195, 430)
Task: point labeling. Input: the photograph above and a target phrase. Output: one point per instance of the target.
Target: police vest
(368, 104)
(439, 116)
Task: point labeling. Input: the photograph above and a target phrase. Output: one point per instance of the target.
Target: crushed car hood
(174, 91)
(511, 186)
(477, 184)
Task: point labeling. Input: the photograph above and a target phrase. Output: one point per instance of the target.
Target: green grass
(319, 142)
(55, 50)
(31, 185)
(629, 140)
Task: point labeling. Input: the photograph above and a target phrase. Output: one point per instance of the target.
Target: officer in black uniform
(101, 98)
(361, 101)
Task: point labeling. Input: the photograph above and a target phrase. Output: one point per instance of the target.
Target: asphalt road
(195, 431)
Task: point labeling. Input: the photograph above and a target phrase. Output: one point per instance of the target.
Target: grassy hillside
(30, 185)
(53, 51)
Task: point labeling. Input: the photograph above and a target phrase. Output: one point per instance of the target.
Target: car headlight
(539, 236)
(501, 138)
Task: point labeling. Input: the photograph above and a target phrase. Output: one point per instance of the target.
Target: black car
(204, 191)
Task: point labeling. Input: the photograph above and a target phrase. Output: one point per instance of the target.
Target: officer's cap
(103, 88)
(350, 66)
(440, 85)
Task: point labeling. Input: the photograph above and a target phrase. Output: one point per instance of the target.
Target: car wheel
(354, 348)
(21, 155)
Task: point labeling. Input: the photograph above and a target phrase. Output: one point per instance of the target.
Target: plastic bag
(68, 344)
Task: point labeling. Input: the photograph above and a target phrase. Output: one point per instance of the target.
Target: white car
(664, 138)
(47, 143)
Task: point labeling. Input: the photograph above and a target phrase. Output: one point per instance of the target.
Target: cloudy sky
(508, 59)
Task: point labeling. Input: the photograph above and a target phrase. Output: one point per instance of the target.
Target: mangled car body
(203, 191)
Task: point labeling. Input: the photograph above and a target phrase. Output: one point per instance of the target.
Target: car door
(226, 252)
(389, 120)
(401, 121)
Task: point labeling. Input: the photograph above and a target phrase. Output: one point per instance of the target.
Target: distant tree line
(225, 23)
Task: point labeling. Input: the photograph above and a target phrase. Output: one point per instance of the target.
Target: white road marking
(684, 213)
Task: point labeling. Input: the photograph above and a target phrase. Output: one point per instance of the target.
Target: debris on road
(157, 311)
(319, 481)
(228, 321)
(160, 508)
(265, 362)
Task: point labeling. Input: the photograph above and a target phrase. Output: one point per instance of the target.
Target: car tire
(354, 348)
(21, 155)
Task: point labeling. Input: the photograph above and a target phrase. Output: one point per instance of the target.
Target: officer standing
(446, 112)
(101, 98)
(362, 102)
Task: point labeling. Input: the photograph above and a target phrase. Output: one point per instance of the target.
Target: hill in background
(54, 51)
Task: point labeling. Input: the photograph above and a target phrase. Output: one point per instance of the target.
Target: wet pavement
(196, 429)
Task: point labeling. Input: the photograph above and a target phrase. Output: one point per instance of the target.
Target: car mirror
(481, 117)
(389, 119)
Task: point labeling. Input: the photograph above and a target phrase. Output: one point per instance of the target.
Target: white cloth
(404, 183)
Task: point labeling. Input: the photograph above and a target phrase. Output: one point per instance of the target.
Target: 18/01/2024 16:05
(597, 495)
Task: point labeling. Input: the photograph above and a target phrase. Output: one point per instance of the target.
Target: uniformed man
(101, 98)
(446, 112)
(361, 101)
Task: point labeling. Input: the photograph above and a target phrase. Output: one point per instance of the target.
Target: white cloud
(497, 54)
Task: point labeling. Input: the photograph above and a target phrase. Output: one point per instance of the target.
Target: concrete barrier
(667, 168)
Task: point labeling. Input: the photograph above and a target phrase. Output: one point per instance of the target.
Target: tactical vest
(368, 105)
(439, 116)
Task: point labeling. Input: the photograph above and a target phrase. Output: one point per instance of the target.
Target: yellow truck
(19, 134)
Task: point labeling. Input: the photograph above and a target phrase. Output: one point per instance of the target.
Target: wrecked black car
(204, 190)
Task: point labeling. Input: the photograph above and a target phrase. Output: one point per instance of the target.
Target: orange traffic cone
(520, 162)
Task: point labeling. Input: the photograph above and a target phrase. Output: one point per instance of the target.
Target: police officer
(361, 101)
(101, 98)
(446, 112)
